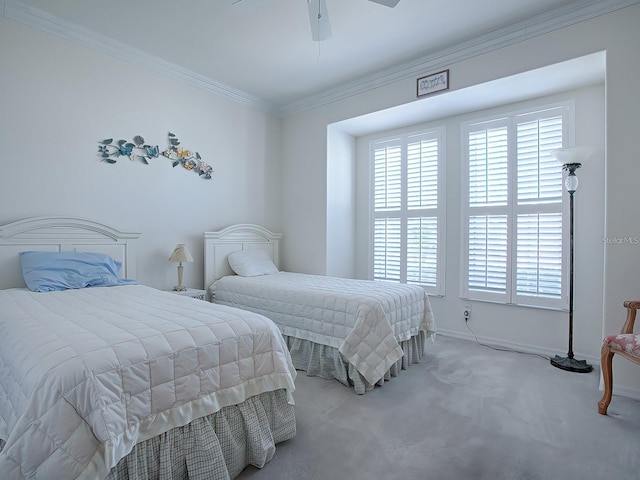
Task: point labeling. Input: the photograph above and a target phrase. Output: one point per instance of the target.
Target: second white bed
(359, 332)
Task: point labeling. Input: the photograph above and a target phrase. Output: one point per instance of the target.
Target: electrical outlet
(467, 312)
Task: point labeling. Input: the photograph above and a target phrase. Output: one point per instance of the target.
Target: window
(407, 234)
(513, 208)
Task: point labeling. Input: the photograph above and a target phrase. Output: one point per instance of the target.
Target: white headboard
(58, 234)
(218, 245)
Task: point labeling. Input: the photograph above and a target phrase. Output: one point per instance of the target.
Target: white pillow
(251, 262)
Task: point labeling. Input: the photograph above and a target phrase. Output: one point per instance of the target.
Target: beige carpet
(465, 412)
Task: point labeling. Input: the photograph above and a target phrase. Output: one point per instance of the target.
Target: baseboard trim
(518, 347)
(545, 352)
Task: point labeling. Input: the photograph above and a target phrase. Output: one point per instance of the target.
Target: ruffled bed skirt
(327, 362)
(218, 446)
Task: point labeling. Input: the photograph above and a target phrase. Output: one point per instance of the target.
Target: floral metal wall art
(138, 150)
(110, 151)
(187, 158)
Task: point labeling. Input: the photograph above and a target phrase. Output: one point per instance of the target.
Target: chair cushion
(628, 343)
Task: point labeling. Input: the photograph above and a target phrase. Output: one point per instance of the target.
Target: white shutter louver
(488, 252)
(488, 167)
(422, 174)
(422, 251)
(387, 178)
(539, 256)
(387, 249)
(539, 178)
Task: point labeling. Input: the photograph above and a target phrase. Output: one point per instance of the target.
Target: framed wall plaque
(436, 82)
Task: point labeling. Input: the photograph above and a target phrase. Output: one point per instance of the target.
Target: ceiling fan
(319, 17)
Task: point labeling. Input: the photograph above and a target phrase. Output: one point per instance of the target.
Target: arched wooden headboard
(58, 234)
(218, 245)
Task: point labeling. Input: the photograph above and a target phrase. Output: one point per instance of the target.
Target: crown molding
(576, 12)
(547, 22)
(36, 18)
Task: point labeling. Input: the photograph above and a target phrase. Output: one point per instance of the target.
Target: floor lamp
(571, 159)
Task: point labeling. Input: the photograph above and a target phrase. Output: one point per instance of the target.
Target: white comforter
(86, 374)
(365, 320)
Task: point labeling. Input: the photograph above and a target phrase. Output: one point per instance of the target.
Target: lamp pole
(569, 362)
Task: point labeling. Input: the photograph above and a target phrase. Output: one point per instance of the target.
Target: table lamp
(180, 254)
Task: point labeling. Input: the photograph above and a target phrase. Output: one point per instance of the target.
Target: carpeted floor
(465, 412)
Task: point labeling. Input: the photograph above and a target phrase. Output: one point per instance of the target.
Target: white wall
(341, 218)
(613, 279)
(58, 99)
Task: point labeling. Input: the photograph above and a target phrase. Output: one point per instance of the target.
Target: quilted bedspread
(364, 319)
(86, 374)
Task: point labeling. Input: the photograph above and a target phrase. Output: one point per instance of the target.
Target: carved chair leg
(606, 361)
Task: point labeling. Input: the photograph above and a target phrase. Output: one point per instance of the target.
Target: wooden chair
(625, 344)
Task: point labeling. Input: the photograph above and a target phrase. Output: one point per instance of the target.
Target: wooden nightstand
(191, 292)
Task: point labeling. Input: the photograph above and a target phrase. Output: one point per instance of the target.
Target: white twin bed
(359, 332)
(125, 381)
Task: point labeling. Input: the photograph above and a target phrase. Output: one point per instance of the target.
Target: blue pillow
(49, 271)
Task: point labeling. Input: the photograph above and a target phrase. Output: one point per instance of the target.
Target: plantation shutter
(387, 202)
(539, 187)
(513, 205)
(488, 199)
(406, 183)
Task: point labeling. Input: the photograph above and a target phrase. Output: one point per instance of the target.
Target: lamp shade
(181, 254)
(572, 154)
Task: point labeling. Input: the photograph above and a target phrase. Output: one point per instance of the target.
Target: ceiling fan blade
(319, 20)
(387, 3)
